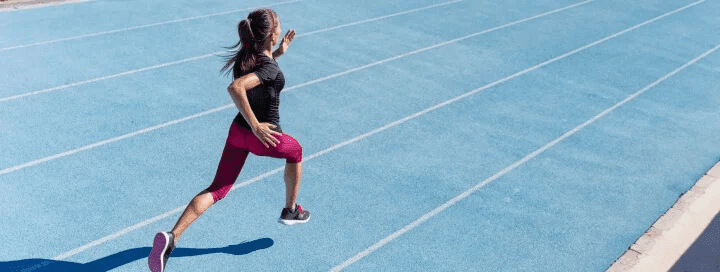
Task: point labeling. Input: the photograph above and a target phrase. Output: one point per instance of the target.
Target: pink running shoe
(163, 245)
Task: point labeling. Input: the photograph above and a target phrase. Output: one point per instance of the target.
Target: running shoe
(163, 245)
(298, 216)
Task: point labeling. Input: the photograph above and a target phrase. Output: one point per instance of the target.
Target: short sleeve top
(265, 98)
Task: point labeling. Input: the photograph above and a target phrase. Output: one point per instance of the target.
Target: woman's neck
(267, 49)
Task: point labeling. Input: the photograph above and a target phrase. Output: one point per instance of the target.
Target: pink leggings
(240, 142)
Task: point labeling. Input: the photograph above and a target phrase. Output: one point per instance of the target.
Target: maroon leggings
(240, 142)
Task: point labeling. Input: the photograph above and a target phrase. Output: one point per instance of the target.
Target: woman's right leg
(231, 162)
(197, 206)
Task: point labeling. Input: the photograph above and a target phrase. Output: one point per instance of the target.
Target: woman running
(255, 91)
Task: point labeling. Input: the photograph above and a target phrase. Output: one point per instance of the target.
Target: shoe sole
(156, 258)
(293, 222)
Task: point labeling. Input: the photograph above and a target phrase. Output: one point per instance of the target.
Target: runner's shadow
(128, 256)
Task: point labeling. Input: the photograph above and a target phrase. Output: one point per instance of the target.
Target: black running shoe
(290, 217)
(163, 245)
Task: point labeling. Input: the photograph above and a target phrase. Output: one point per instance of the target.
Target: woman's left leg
(290, 150)
(293, 175)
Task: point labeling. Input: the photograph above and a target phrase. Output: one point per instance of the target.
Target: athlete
(255, 91)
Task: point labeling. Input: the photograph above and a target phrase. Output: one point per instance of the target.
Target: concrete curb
(662, 245)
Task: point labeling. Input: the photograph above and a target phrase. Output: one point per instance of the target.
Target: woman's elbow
(234, 89)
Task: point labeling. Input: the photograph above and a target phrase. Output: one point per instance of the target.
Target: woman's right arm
(238, 92)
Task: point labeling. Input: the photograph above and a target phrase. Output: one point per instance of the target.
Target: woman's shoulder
(265, 68)
(264, 59)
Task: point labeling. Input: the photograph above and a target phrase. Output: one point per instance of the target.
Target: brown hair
(253, 32)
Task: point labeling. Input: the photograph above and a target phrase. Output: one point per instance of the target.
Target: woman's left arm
(284, 44)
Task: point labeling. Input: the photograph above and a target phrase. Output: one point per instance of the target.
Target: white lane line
(383, 17)
(442, 44)
(208, 55)
(118, 234)
(262, 176)
(143, 26)
(497, 175)
(101, 143)
(106, 77)
(35, 162)
(19, 6)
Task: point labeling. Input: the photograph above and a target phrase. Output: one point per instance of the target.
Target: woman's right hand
(264, 132)
(285, 43)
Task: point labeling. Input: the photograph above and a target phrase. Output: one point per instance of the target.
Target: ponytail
(259, 23)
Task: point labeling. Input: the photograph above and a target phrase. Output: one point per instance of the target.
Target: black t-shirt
(265, 98)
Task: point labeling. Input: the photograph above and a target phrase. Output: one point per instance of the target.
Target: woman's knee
(295, 154)
(218, 193)
(290, 149)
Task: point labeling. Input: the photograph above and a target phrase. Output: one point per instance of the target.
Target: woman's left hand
(285, 43)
